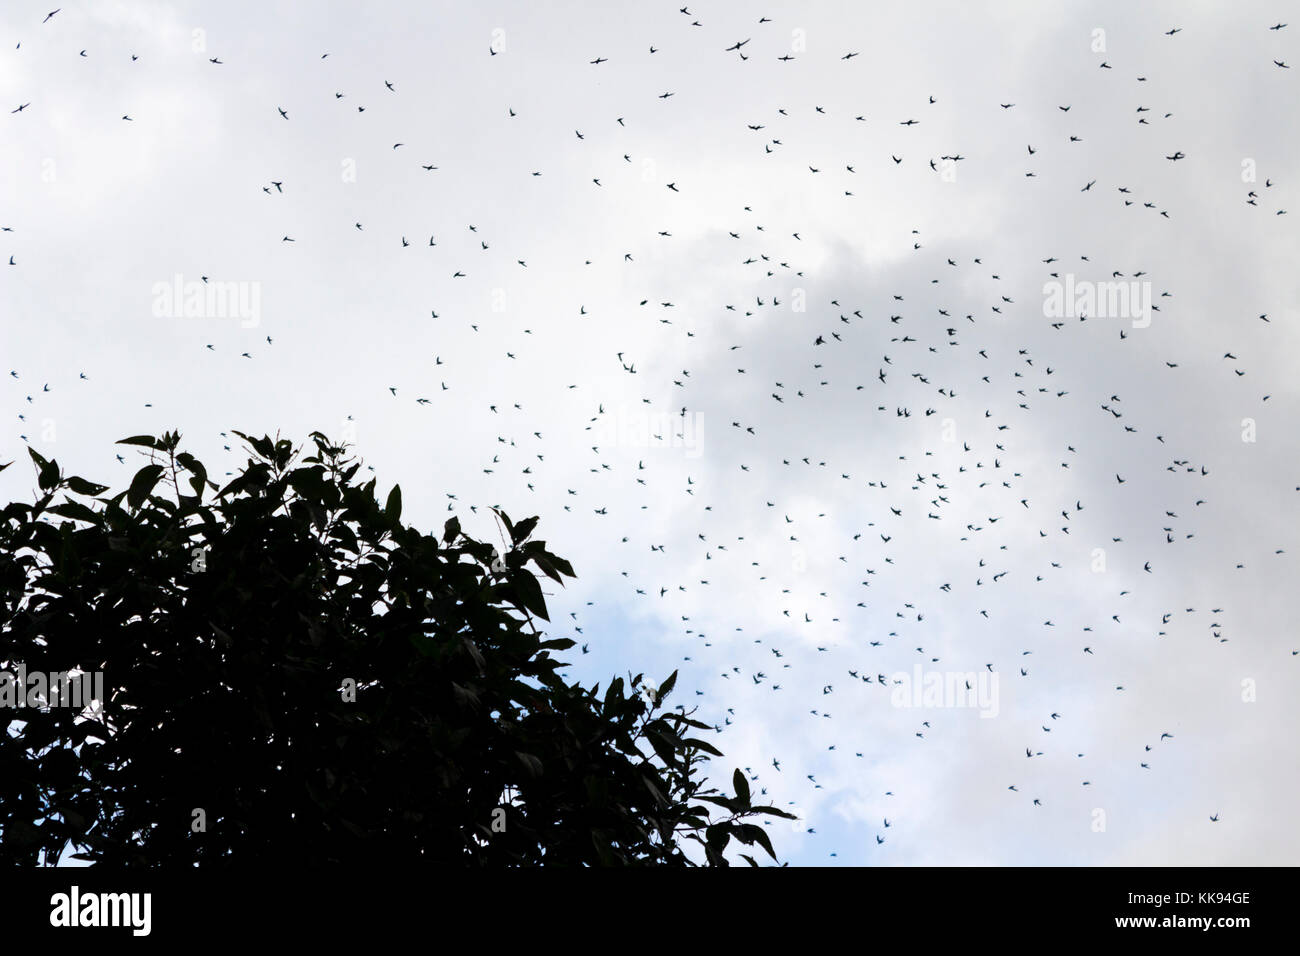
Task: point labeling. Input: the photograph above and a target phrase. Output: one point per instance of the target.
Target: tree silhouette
(293, 674)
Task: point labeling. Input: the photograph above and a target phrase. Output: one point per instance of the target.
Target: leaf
(741, 786)
(704, 745)
(603, 850)
(773, 812)
(393, 507)
(750, 833)
(308, 482)
(613, 694)
(83, 487)
(48, 476)
(529, 592)
(148, 441)
(663, 747)
(531, 763)
(142, 484)
(261, 445)
(666, 687)
(522, 530)
(546, 568)
(283, 452)
(718, 836)
(451, 530)
(697, 724)
(75, 510)
(565, 567)
(464, 695)
(655, 792)
(475, 654)
(195, 467)
(423, 645)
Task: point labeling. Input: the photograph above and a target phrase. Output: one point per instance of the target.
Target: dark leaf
(83, 487)
(666, 687)
(522, 530)
(741, 786)
(451, 530)
(148, 441)
(142, 484)
(529, 593)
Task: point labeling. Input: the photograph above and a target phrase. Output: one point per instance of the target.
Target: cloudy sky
(785, 380)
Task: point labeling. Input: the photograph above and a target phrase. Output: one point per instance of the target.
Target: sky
(804, 351)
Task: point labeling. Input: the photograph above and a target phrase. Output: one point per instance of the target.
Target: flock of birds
(899, 364)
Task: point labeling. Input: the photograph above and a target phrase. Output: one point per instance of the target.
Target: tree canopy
(293, 674)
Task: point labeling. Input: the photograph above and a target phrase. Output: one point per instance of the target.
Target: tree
(291, 673)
